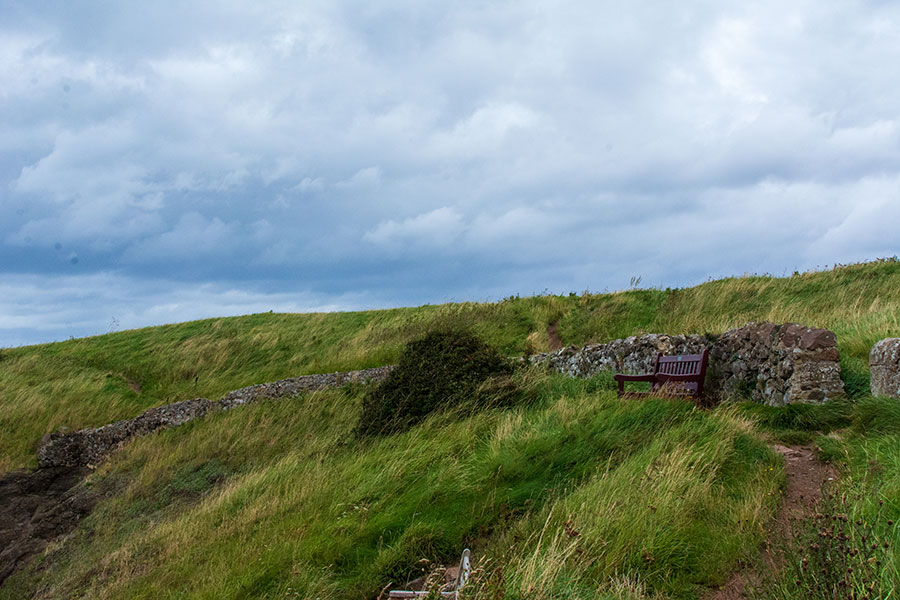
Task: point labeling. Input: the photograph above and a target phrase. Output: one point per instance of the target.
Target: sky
(169, 161)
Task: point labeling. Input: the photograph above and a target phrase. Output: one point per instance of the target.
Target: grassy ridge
(92, 381)
(576, 495)
(569, 494)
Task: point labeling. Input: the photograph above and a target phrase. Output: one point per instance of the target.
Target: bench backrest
(684, 364)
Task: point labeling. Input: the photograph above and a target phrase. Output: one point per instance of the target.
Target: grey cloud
(411, 152)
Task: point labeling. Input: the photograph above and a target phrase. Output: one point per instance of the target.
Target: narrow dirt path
(805, 477)
(553, 340)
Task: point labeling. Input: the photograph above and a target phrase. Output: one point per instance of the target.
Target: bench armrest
(620, 377)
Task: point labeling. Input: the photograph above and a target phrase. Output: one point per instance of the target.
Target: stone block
(884, 368)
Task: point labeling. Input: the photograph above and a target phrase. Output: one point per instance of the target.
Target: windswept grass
(852, 550)
(93, 381)
(580, 491)
(576, 495)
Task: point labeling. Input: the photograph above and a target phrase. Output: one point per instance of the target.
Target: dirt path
(554, 342)
(805, 478)
(36, 508)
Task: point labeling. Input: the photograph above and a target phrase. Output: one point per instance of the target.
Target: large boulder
(884, 368)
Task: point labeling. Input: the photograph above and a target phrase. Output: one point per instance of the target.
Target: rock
(779, 364)
(772, 364)
(89, 447)
(884, 368)
(302, 384)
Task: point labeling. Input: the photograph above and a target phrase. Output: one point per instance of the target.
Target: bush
(443, 370)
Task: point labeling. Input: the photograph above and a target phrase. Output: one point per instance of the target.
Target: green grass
(576, 495)
(275, 500)
(863, 510)
(93, 381)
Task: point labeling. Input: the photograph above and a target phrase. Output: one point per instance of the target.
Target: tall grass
(580, 491)
(93, 381)
(577, 495)
(852, 548)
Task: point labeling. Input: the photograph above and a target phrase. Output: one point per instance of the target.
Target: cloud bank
(161, 162)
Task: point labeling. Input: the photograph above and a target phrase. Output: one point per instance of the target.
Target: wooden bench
(462, 576)
(680, 375)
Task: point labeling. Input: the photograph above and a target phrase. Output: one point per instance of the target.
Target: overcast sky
(168, 161)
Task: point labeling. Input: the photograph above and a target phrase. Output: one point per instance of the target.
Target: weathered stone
(635, 354)
(780, 364)
(773, 364)
(89, 447)
(302, 384)
(884, 368)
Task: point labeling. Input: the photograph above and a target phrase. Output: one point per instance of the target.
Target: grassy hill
(575, 495)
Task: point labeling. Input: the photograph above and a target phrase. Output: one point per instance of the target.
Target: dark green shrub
(441, 371)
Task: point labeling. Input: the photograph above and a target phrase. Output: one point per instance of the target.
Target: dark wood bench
(680, 375)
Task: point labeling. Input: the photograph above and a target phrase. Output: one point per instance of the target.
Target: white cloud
(364, 179)
(435, 229)
(515, 144)
(482, 132)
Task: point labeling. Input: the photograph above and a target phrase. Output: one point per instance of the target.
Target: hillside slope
(93, 381)
(572, 494)
(278, 499)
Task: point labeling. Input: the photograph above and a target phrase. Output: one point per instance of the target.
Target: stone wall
(303, 384)
(88, 447)
(635, 354)
(884, 368)
(777, 364)
(772, 364)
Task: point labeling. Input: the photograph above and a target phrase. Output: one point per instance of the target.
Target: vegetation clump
(443, 370)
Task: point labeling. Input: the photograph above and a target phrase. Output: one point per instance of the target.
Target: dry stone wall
(772, 364)
(884, 368)
(780, 364)
(88, 447)
(299, 385)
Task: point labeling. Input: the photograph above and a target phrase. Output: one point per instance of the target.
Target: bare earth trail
(553, 340)
(803, 490)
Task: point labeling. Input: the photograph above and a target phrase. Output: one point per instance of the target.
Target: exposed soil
(134, 385)
(806, 476)
(37, 507)
(554, 342)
